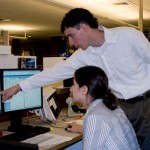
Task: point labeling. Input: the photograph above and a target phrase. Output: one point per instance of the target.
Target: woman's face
(76, 92)
(80, 94)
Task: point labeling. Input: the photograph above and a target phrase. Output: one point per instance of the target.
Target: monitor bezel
(2, 88)
(15, 116)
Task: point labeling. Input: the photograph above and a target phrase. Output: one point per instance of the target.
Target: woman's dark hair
(76, 16)
(97, 82)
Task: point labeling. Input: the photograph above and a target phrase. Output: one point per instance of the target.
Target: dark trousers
(139, 115)
(146, 144)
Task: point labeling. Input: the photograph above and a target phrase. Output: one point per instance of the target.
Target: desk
(57, 131)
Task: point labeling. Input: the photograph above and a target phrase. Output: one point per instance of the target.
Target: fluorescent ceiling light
(12, 28)
(15, 28)
(4, 19)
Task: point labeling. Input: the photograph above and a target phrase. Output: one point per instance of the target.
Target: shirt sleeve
(62, 70)
(141, 44)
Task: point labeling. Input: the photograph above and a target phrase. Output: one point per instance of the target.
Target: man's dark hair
(76, 16)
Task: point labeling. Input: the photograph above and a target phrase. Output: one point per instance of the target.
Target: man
(123, 53)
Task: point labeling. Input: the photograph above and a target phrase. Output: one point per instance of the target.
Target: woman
(105, 125)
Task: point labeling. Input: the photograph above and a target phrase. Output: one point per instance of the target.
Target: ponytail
(110, 100)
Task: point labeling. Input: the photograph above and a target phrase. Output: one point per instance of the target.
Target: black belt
(137, 98)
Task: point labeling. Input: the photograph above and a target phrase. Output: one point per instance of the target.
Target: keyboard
(24, 134)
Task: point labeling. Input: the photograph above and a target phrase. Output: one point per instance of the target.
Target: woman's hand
(74, 127)
(42, 148)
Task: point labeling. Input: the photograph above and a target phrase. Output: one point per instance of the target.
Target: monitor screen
(22, 100)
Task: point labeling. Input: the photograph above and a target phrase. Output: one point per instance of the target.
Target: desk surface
(57, 131)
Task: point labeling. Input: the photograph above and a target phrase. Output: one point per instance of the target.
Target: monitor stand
(16, 122)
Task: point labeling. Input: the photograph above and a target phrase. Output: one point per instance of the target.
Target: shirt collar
(93, 104)
(108, 35)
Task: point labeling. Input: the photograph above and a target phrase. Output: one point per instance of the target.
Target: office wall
(54, 46)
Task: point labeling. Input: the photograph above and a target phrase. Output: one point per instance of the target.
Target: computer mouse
(69, 126)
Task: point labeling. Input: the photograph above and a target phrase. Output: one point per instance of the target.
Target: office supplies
(26, 62)
(71, 106)
(51, 108)
(48, 140)
(69, 126)
(78, 121)
(75, 108)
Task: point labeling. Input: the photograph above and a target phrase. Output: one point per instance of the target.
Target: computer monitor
(22, 101)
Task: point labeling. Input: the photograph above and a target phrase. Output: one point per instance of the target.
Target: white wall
(50, 62)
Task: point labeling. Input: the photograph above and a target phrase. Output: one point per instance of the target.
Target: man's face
(77, 37)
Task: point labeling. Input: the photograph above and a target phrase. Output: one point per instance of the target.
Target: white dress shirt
(105, 129)
(124, 56)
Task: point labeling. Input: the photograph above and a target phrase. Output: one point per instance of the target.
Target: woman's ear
(84, 89)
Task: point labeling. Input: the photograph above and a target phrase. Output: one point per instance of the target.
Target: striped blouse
(105, 129)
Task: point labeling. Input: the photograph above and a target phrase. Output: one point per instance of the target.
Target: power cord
(52, 124)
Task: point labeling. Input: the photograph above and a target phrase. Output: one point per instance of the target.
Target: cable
(45, 120)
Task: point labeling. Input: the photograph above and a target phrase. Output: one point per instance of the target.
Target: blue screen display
(22, 100)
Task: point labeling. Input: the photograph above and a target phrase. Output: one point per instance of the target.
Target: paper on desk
(47, 140)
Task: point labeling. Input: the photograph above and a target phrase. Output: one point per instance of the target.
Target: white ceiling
(42, 18)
